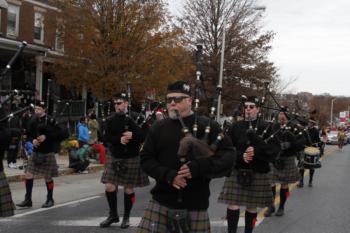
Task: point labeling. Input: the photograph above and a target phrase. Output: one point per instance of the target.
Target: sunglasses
(118, 103)
(251, 106)
(176, 99)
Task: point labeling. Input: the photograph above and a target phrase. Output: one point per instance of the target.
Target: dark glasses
(176, 99)
(251, 106)
(118, 103)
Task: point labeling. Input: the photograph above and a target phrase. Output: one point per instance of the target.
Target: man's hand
(36, 143)
(179, 182)
(185, 171)
(248, 154)
(124, 140)
(41, 138)
(128, 135)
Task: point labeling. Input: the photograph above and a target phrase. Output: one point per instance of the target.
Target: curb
(61, 172)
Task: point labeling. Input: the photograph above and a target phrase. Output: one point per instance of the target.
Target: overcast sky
(312, 42)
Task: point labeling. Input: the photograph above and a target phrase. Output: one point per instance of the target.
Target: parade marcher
(324, 139)
(180, 197)
(6, 204)
(249, 183)
(312, 138)
(42, 131)
(123, 163)
(284, 168)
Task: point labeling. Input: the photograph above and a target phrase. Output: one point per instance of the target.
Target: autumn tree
(108, 43)
(246, 65)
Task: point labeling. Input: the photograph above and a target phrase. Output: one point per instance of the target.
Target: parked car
(332, 137)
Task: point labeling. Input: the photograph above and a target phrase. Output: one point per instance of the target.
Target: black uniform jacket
(263, 152)
(159, 160)
(45, 125)
(115, 127)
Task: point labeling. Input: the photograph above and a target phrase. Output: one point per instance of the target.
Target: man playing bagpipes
(182, 166)
(249, 183)
(124, 137)
(284, 168)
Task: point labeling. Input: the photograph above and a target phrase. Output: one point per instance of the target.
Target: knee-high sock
(29, 188)
(49, 187)
(232, 220)
(250, 220)
(312, 172)
(302, 175)
(284, 193)
(273, 188)
(129, 200)
(112, 203)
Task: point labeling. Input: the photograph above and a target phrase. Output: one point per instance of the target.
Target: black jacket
(264, 152)
(159, 160)
(115, 127)
(43, 126)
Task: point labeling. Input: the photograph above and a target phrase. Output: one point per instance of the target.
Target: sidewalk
(16, 175)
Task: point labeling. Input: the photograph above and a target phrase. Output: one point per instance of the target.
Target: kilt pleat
(6, 204)
(288, 175)
(155, 219)
(48, 169)
(132, 177)
(258, 194)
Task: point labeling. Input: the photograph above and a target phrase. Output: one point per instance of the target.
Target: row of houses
(27, 20)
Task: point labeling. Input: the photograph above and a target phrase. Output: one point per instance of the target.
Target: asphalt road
(81, 205)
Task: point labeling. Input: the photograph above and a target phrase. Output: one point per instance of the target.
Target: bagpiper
(123, 164)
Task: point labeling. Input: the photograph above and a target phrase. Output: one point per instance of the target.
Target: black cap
(40, 103)
(179, 87)
(252, 99)
(121, 95)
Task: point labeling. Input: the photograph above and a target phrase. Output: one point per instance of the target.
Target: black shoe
(111, 219)
(300, 185)
(310, 185)
(270, 210)
(280, 212)
(48, 204)
(25, 203)
(125, 223)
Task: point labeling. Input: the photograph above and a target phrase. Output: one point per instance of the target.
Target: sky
(311, 45)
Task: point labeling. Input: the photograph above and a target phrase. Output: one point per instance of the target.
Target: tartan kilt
(258, 194)
(6, 204)
(133, 176)
(48, 169)
(154, 220)
(288, 175)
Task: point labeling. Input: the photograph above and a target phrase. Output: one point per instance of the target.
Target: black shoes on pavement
(48, 204)
(25, 203)
(280, 212)
(125, 223)
(270, 210)
(111, 219)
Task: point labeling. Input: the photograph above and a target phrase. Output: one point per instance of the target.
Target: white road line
(55, 206)
(134, 221)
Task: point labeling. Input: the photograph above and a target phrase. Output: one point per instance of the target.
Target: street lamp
(332, 111)
(3, 4)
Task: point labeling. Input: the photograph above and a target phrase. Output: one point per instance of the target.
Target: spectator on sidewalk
(93, 128)
(83, 132)
(78, 159)
(13, 147)
(341, 138)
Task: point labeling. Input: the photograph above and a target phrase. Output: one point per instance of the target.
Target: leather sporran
(178, 221)
(38, 158)
(245, 177)
(119, 166)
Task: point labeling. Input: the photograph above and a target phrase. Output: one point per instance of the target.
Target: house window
(39, 27)
(12, 20)
(59, 40)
